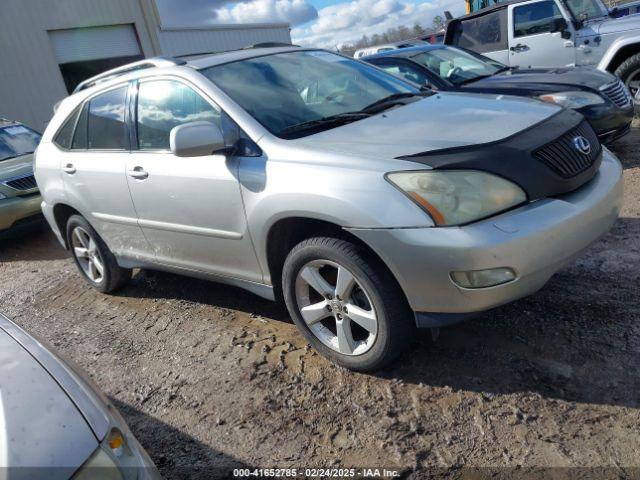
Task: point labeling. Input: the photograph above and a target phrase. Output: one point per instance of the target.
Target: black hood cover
(539, 80)
(543, 159)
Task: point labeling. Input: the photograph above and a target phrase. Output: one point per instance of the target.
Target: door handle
(69, 168)
(519, 48)
(138, 173)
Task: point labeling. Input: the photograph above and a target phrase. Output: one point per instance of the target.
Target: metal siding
(30, 77)
(189, 42)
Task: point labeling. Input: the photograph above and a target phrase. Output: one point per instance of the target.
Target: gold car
(19, 194)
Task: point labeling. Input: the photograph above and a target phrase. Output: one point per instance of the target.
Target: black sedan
(601, 97)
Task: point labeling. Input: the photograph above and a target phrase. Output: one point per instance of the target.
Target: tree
(403, 32)
(417, 29)
(438, 23)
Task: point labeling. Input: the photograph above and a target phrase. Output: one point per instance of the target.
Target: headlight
(572, 99)
(113, 460)
(455, 197)
(2, 196)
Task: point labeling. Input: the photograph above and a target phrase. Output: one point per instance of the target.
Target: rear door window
(106, 126)
(535, 18)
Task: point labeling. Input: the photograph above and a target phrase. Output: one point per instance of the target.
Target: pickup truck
(554, 33)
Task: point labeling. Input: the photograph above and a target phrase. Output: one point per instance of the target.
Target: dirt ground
(210, 377)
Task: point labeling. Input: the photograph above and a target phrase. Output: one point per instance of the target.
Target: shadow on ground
(30, 244)
(177, 454)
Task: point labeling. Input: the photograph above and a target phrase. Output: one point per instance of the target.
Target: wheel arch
(287, 232)
(61, 214)
(618, 52)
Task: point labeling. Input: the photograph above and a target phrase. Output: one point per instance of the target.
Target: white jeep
(553, 33)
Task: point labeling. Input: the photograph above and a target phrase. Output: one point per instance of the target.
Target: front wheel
(629, 73)
(346, 304)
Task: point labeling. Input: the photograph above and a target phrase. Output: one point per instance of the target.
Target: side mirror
(558, 25)
(196, 139)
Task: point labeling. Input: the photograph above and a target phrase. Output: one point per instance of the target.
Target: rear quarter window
(64, 137)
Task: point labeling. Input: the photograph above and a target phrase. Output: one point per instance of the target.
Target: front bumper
(13, 209)
(535, 240)
(609, 121)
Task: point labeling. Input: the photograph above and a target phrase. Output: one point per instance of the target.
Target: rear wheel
(347, 305)
(93, 258)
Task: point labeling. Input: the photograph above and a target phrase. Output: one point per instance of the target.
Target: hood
(15, 167)
(543, 80)
(441, 121)
(40, 427)
(615, 25)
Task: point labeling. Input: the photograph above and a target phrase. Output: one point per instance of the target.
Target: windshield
(288, 89)
(17, 140)
(585, 9)
(457, 66)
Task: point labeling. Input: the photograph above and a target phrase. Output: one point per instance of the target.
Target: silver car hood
(42, 433)
(441, 121)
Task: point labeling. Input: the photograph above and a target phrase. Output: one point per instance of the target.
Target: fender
(273, 190)
(614, 48)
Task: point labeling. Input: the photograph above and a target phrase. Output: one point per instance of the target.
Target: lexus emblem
(582, 145)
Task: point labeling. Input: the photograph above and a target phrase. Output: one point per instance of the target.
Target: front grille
(564, 158)
(25, 183)
(617, 93)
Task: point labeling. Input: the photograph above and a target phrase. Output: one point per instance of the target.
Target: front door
(190, 209)
(94, 172)
(532, 41)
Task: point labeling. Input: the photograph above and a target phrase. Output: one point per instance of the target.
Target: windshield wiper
(338, 119)
(470, 80)
(392, 100)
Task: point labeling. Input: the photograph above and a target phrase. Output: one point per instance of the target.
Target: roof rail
(130, 67)
(270, 45)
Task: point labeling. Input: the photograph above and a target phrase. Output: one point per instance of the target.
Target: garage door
(96, 43)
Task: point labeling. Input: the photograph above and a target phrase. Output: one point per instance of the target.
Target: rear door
(94, 172)
(190, 209)
(531, 40)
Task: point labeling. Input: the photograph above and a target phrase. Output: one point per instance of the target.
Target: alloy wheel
(86, 252)
(336, 307)
(633, 84)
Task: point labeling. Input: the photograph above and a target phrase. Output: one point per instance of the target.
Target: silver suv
(369, 206)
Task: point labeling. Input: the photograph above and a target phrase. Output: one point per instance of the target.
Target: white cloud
(347, 22)
(295, 12)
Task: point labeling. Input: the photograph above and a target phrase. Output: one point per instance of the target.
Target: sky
(321, 23)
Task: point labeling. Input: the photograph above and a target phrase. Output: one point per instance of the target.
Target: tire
(83, 238)
(384, 321)
(627, 68)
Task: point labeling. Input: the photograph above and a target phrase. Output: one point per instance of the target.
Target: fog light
(483, 278)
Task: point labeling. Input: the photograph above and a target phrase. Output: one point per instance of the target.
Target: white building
(49, 46)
